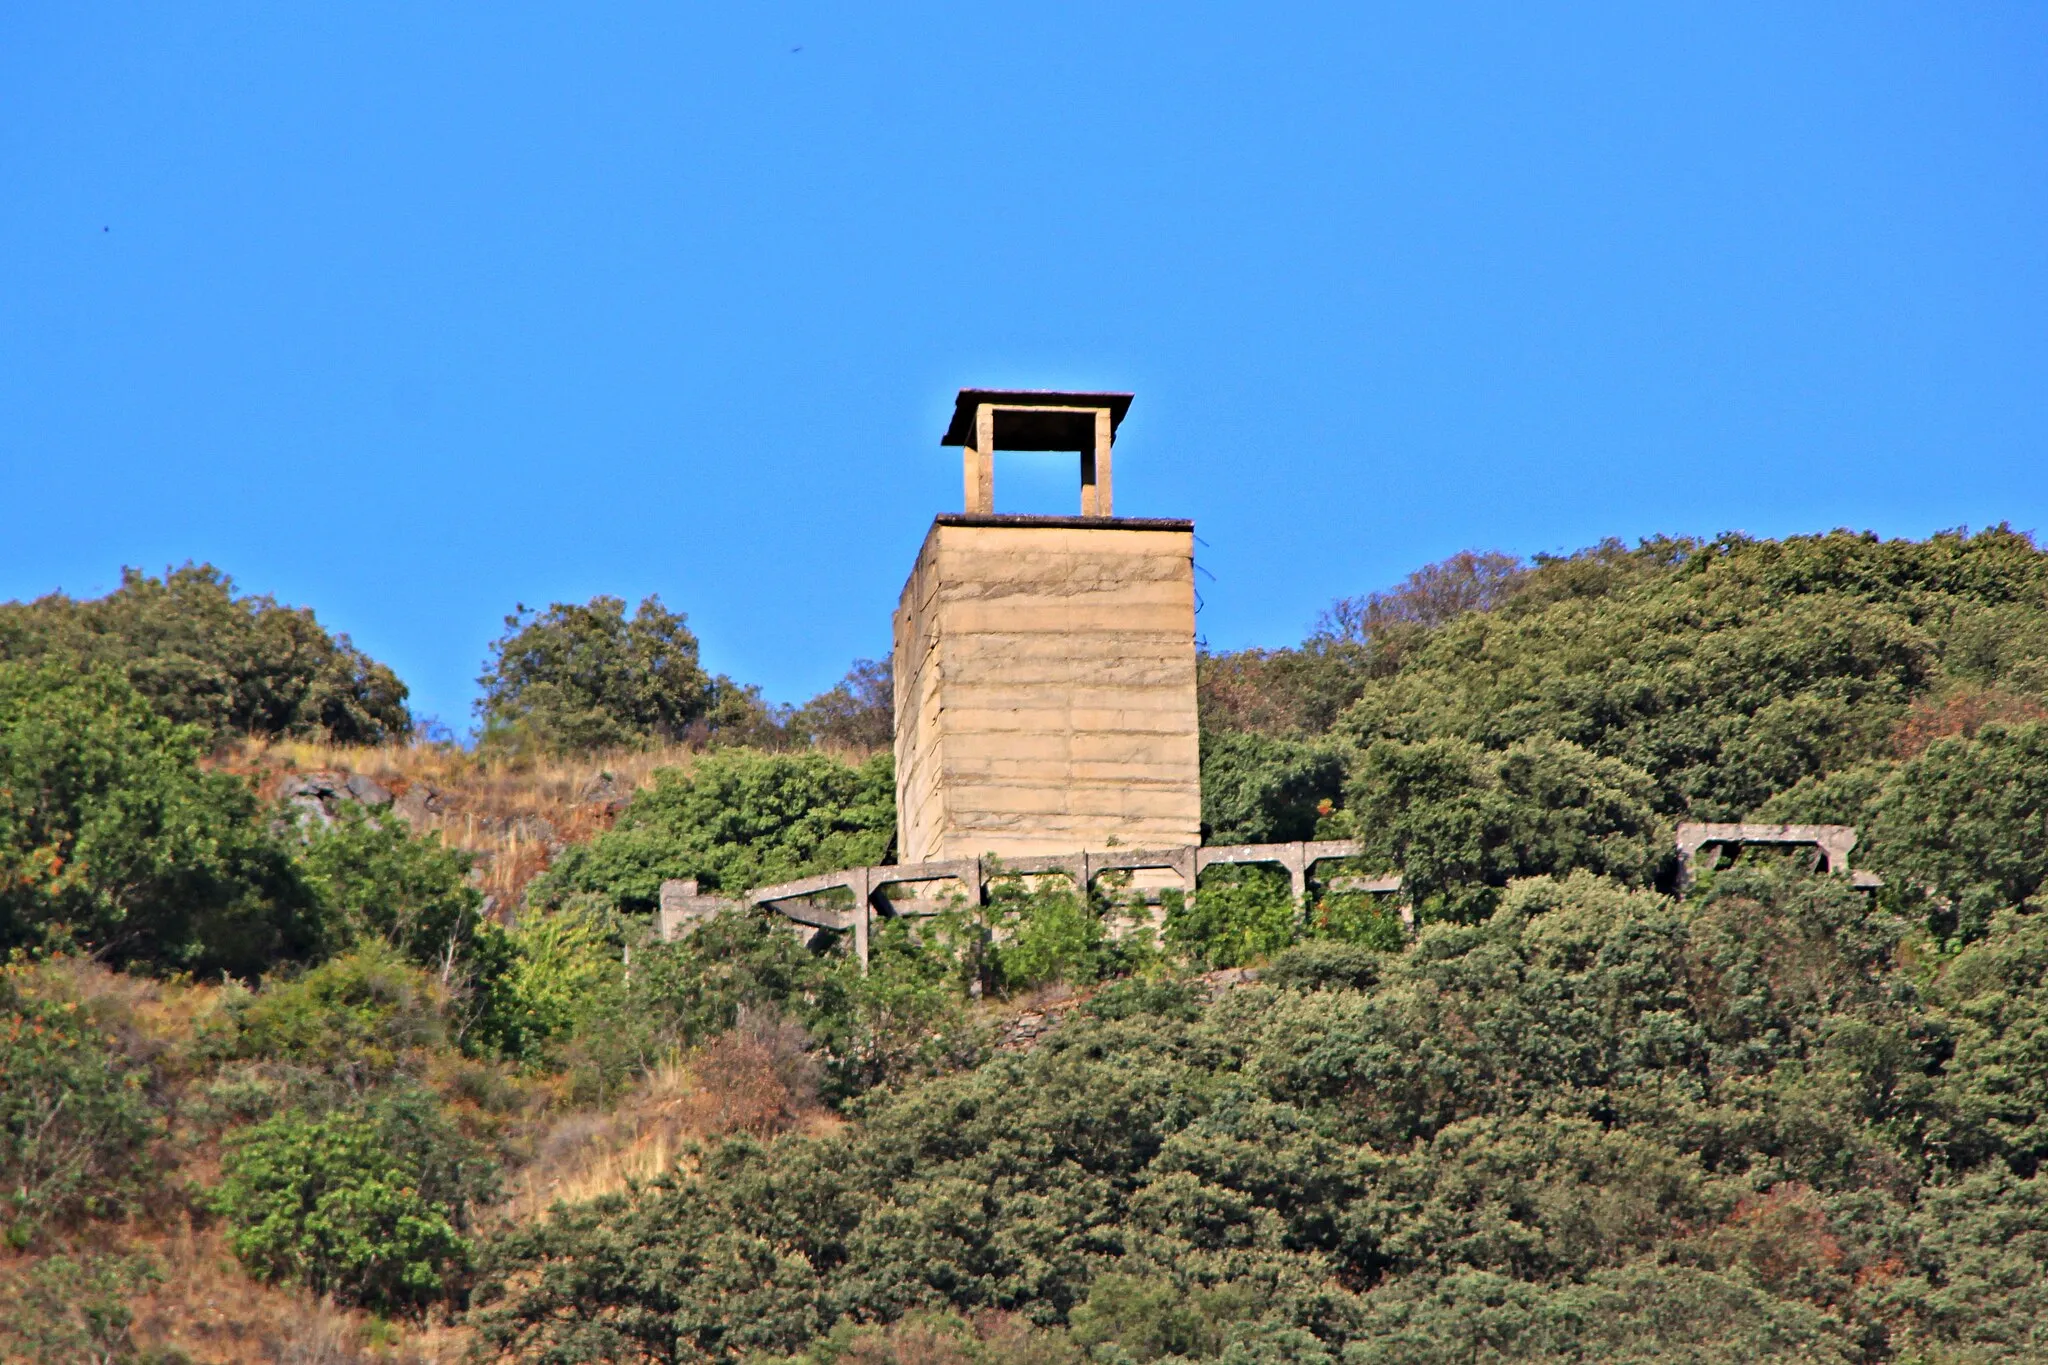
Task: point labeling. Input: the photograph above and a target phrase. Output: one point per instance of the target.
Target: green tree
(1957, 829)
(114, 841)
(857, 712)
(588, 676)
(369, 1204)
(1965, 826)
(203, 655)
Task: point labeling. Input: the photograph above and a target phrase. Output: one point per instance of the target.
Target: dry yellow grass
(745, 1081)
(514, 814)
(208, 1309)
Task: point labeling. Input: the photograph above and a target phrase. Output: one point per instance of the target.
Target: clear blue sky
(413, 312)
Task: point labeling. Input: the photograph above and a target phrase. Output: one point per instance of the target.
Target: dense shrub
(203, 655)
(1460, 821)
(1040, 931)
(1238, 915)
(376, 879)
(734, 820)
(368, 1204)
(1598, 1121)
(900, 1018)
(533, 984)
(75, 1308)
(114, 841)
(359, 1019)
(74, 1121)
(1725, 670)
(1261, 790)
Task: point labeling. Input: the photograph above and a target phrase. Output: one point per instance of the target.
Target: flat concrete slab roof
(1031, 519)
(1065, 421)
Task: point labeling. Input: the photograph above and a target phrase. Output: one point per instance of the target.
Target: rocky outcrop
(321, 795)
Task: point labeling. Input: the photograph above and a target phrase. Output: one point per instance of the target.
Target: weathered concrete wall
(1045, 688)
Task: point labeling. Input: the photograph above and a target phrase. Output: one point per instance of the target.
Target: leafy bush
(1238, 915)
(1041, 933)
(376, 879)
(204, 656)
(736, 819)
(1365, 918)
(587, 676)
(359, 1018)
(75, 1308)
(534, 983)
(1461, 821)
(113, 841)
(74, 1119)
(369, 1204)
(1259, 790)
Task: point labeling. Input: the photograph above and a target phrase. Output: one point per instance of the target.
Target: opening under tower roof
(988, 420)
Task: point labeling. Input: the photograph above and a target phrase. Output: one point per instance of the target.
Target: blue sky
(412, 313)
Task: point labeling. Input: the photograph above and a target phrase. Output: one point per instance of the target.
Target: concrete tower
(1045, 666)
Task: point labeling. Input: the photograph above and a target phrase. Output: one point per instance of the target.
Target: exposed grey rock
(367, 790)
(606, 788)
(420, 800)
(315, 795)
(321, 795)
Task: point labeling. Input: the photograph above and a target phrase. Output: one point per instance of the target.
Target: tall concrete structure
(1045, 666)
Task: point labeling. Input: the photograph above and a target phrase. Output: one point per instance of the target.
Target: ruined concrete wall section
(1045, 689)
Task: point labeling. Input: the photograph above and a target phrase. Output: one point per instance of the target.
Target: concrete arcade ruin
(1045, 702)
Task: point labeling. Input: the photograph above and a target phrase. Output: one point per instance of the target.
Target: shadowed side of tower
(1045, 666)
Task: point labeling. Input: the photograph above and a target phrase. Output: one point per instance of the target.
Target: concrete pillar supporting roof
(988, 420)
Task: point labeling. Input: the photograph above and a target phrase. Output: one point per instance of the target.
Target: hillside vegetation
(298, 1068)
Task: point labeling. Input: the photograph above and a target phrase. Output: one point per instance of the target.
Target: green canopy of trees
(588, 676)
(114, 841)
(1599, 1124)
(230, 664)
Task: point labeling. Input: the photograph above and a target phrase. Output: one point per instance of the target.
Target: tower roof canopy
(1036, 419)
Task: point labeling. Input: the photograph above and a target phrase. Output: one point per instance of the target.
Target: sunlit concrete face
(1045, 688)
